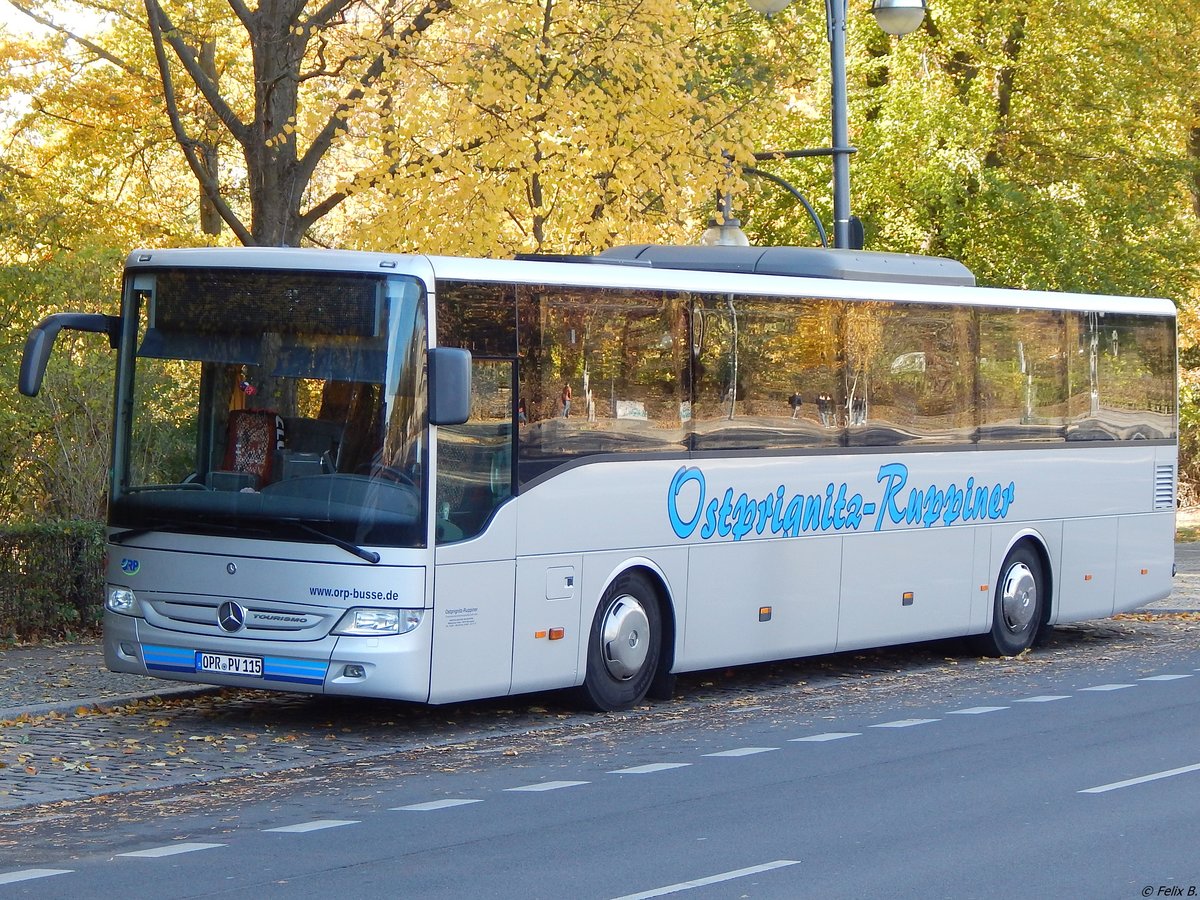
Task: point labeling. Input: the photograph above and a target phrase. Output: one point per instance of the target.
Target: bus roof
(770, 271)
(811, 262)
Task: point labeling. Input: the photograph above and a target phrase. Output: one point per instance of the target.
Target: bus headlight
(121, 600)
(370, 622)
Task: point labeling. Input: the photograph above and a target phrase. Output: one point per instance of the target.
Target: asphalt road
(912, 773)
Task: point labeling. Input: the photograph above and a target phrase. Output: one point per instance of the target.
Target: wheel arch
(664, 596)
(1037, 542)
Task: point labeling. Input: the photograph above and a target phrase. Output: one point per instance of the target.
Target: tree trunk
(210, 218)
(1005, 82)
(275, 191)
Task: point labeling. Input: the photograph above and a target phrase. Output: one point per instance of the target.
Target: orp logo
(130, 566)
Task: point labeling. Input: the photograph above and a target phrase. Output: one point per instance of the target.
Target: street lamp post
(897, 17)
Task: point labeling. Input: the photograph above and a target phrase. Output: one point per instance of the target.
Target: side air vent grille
(1164, 487)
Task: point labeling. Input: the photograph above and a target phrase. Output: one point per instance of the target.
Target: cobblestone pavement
(70, 729)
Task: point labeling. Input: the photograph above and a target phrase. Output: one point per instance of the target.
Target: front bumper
(395, 667)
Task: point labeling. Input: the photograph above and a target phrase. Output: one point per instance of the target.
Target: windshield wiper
(369, 555)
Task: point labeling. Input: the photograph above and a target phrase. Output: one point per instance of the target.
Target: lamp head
(726, 234)
(897, 17)
(768, 7)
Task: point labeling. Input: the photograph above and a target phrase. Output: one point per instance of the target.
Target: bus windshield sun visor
(364, 361)
(241, 349)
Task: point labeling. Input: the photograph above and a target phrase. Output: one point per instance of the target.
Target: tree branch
(79, 39)
(162, 29)
(359, 181)
(322, 142)
(207, 183)
(245, 16)
(325, 14)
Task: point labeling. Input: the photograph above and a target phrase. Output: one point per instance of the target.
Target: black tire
(624, 645)
(1017, 605)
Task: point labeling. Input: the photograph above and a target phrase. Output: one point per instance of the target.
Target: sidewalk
(64, 677)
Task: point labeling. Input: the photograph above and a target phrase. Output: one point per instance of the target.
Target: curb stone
(106, 703)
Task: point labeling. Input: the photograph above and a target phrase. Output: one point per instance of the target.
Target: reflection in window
(477, 316)
(909, 374)
(601, 371)
(1022, 375)
(475, 459)
(1122, 377)
(610, 370)
(766, 373)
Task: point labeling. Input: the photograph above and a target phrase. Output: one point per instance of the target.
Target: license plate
(227, 664)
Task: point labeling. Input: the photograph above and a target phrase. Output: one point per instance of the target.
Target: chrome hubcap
(625, 637)
(1018, 600)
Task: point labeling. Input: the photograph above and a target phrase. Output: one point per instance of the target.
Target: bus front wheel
(1017, 610)
(624, 645)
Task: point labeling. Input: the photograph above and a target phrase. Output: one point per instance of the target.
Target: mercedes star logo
(231, 616)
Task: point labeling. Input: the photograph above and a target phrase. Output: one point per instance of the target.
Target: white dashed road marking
(434, 804)
(175, 849)
(1044, 698)
(170, 850)
(548, 786)
(711, 879)
(31, 874)
(316, 825)
(827, 736)
(1141, 780)
(743, 751)
(648, 768)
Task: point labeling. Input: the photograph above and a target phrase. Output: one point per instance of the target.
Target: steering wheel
(387, 473)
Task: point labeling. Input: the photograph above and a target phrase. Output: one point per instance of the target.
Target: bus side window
(1022, 380)
(475, 459)
(1122, 377)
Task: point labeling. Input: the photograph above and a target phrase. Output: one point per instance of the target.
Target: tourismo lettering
(787, 513)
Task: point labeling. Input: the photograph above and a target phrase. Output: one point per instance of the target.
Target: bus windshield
(286, 404)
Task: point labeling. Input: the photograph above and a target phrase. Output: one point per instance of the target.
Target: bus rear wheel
(1017, 610)
(624, 645)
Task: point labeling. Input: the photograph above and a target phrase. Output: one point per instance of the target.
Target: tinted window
(1022, 375)
(475, 459)
(909, 374)
(609, 370)
(766, 373)
(602, 370)
(479, 317)
(1122, 377)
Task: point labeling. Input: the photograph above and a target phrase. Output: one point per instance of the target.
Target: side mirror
(41, 341)
(449, 386)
